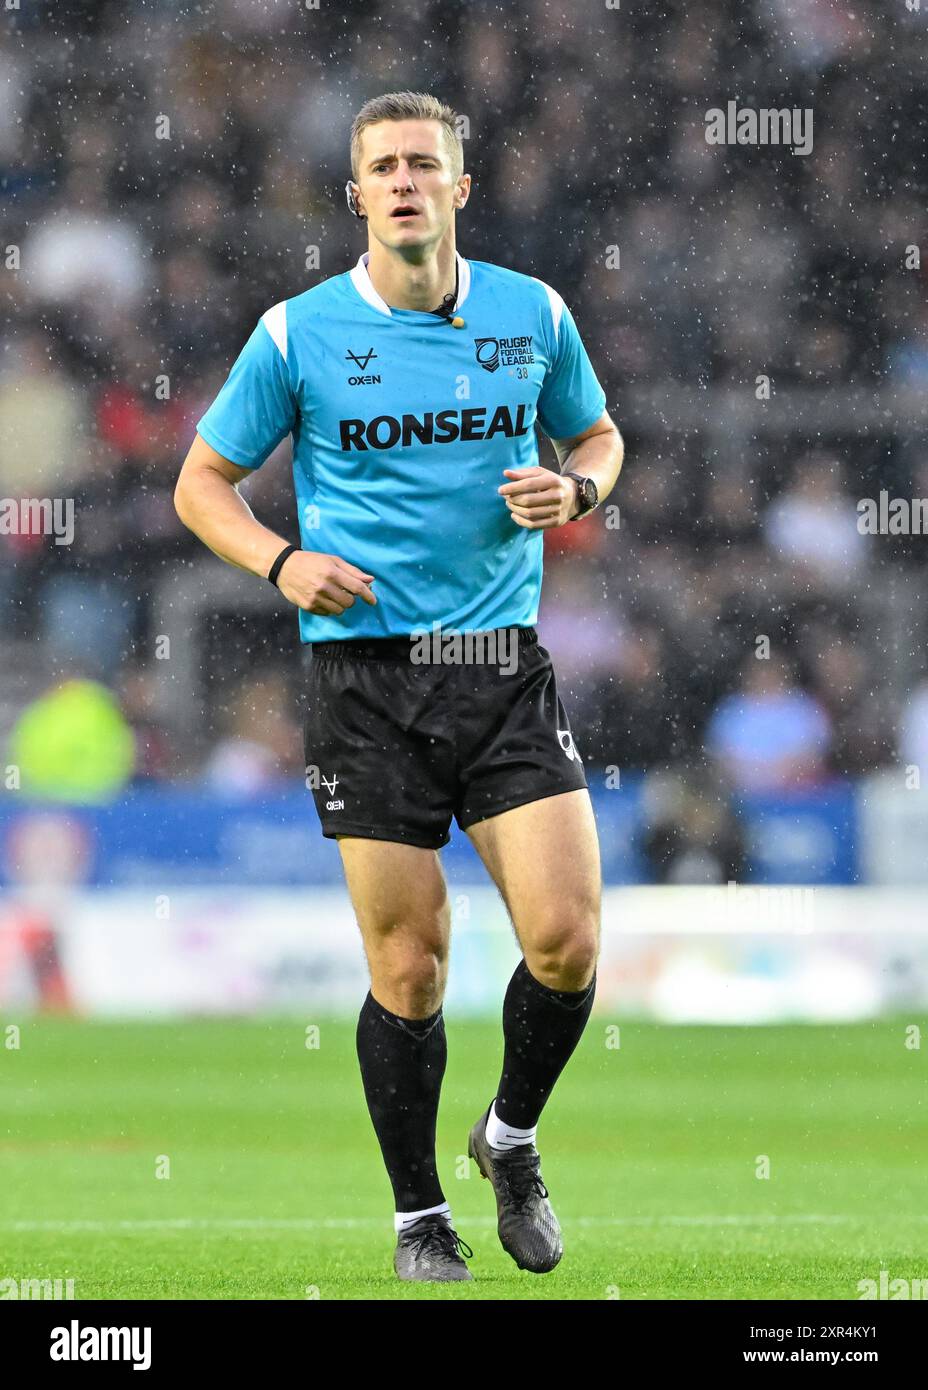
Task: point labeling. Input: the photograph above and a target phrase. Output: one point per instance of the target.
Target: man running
(411, 386)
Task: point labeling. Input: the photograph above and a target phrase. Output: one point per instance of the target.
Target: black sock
(402, 1065)
(541, 1028)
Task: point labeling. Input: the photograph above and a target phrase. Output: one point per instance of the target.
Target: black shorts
(394, 749)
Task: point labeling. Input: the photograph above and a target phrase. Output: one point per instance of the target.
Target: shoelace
(522, 1178)
(447, 1239)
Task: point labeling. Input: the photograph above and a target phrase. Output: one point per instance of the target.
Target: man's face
(405, 164)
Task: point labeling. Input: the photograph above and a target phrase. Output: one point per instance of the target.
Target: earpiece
(352, 200)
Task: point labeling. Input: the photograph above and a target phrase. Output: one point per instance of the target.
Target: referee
(411, 386)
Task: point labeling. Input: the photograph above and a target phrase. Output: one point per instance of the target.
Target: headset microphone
(446, 310)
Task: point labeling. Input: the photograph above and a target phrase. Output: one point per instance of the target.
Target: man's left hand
(539, 498)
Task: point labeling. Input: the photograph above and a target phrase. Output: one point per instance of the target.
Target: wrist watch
(587, 495)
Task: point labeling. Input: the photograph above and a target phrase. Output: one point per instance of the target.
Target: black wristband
(275, 568)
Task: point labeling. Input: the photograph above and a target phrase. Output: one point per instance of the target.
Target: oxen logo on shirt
(362, 359)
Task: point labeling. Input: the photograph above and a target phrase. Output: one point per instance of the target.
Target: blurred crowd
(164, 168)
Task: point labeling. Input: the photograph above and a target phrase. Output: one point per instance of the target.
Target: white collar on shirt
(360, 278)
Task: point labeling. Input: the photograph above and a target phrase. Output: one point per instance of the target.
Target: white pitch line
(365, 1222)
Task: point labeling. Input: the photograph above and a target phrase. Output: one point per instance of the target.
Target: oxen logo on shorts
(330, 786)
(565, 739)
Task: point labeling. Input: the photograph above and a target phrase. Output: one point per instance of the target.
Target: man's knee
(418, 965)
(561, 952)
(409, 965)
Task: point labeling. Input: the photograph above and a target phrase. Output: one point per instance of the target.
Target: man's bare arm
(540, 499)
(597, 453)
(208, 502)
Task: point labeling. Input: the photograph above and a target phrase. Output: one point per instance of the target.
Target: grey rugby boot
(428, 1250)
(528, 1229)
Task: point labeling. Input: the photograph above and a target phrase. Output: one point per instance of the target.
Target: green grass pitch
(276, 1189)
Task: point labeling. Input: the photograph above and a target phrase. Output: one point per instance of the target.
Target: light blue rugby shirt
(402, 426)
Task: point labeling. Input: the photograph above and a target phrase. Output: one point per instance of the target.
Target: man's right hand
(323, 584)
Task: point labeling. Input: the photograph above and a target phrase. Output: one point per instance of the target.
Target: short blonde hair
(408, 106)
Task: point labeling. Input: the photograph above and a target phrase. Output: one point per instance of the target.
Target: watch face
(589, 495)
